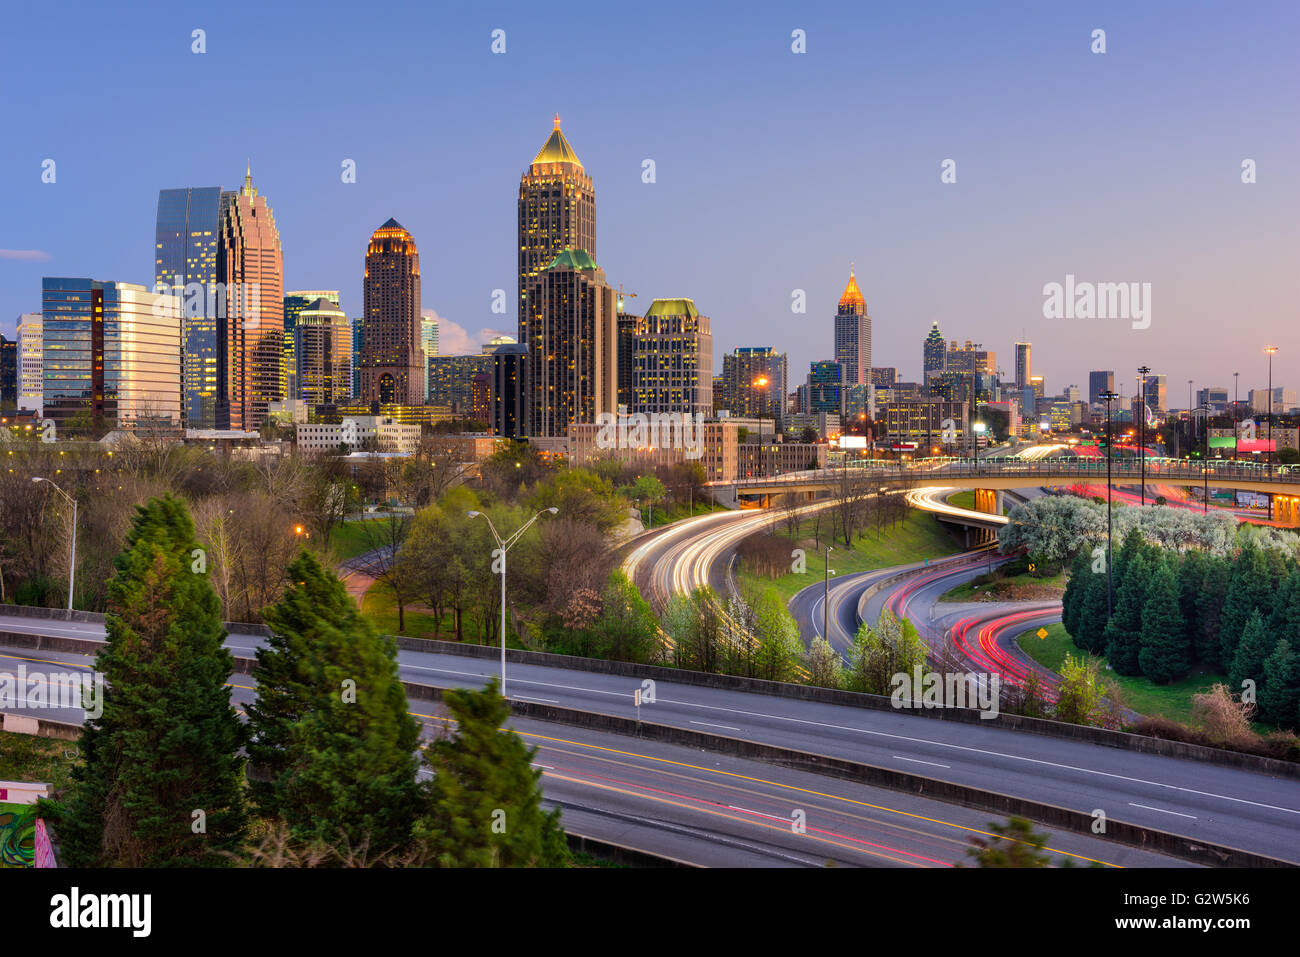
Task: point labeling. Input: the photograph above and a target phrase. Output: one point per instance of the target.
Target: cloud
(25, 255)
(455, 340)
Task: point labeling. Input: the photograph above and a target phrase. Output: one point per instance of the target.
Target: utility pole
(1109, 396)
(1143, 371)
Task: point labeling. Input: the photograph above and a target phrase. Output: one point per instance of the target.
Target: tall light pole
(72, 561)
(1143, 372)
(1109, 396)
(1205, 461)
(826, 601)
(979, 430)
(1270, 350)
(500, 552)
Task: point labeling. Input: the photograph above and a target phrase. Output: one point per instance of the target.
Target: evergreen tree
(1124, 632)
(1191, 571)
(1074, 590)
(1165, 653)
(1014, 844)
(1252, 589)
(161, 781)
(1256, 644)
(1279, 695)
(1285, 620)
(331, 720)
(1209, 612)
(1090, 619)
(484, 807)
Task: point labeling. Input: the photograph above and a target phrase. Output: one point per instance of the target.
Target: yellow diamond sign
(1041, 632)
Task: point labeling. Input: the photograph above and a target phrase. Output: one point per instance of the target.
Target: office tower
(250, 358)
(1022, 364)
(358, 338)
(451, 380)
(571, 326)
(322, 345)
(853, 334)
(393, 368)
(112, 356)
(509, 390)
(557, 211)
(1038, 385)
(1157, 392)
(496, 342)
(8, 371)
(625, 328)
(672, 360)
(933, 352)
(295, 301)
(754, 383)
(1215, 396)
(1100, 381)
(429, 335)
(971, 358)
(481, 397)
(824, 381)
(30, 345)
(187, 239)
(884, 377)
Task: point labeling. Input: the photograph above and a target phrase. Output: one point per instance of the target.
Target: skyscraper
(572, 345)
(509, 387)
(250, 358)
(672, 360)
(30, 346)
(295, 301)
(112, 356)
(933, 352)
(358, 340)
(853, 335)
(754, 382)
(824, 380)
(557, 211)
(187, 237)
(393, 368)
(8, 370)
(322, 345)
(1100, 381)
(1022, 364)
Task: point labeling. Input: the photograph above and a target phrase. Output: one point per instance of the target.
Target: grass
(1173, 701)
(969, 591)
(379, 608)
(25, 757)
(965, 499)
(350, 539)
(918, 536)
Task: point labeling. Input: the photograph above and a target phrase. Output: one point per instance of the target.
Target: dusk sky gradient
(774, 170)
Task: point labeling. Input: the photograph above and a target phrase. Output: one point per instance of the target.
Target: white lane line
(545, 767)
(708, 725)
(771, 817)
(542, 700)
(899, 757)
(1161, 810)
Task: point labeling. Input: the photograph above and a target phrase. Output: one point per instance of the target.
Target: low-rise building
(359, 433)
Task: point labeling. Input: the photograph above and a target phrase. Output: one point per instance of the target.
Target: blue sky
(774, 170)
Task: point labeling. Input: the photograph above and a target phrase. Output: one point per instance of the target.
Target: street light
(72, 564)
(1270, 350)
(1205, 461)
(979, 430)
(500, 552)
(1143, 372)
(826, 602)
(1109, 396)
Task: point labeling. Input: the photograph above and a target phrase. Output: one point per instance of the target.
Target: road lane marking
(708, 725)
(932, 764)
(1161, 810)
(524, 697)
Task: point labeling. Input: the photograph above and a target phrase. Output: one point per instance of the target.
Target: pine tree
(1073, 597)
(1279, 695)
(1256, 644)
(1014, 844)
(484, 807)
(1165, 653)
(347, 774)
(1285, 620)
(1252, 589)
(1191, 580)
(1209, 612)
(1124, 632)
(161, 781)
(1091, 618)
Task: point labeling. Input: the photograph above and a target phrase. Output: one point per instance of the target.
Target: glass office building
(186, 238)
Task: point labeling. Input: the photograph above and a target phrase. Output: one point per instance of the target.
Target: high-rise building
(853, 335)
(970, 358)
(824, 381)
(8, 370)
(322, 345)
(112, 356)
(509, 389)
(429, 343)
(572, 345)
(625, 328)
(451, 381)
(187, 240)
(393, 367)
(250, 358)
(754, 384)
(30, 346)
(672, 360)
(1215, 396)
(557, 211)
(491, 346)
(884, 377)
(933, 352)
(1022, 364)
(1099, 381)
(1157, 392)
(358, 340)
(295, 301)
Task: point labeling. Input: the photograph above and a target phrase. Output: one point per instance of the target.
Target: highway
(1225, 805)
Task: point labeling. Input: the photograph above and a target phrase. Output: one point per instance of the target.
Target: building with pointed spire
(853, 335)
(933, 353)
(557, 211)
(250, 326)
(393, 369)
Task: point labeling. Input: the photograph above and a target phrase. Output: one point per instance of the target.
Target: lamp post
(826, 601)
(1270, 350)
(979, 430)
(1143, 372)
(1109, 396)
(72, 563)
(500, 552)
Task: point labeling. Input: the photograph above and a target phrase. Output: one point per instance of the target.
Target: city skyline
(1029, 207)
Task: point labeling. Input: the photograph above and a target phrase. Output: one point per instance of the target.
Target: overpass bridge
(1281, 484)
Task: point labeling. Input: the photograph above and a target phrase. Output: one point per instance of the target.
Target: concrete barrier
(97, 618)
